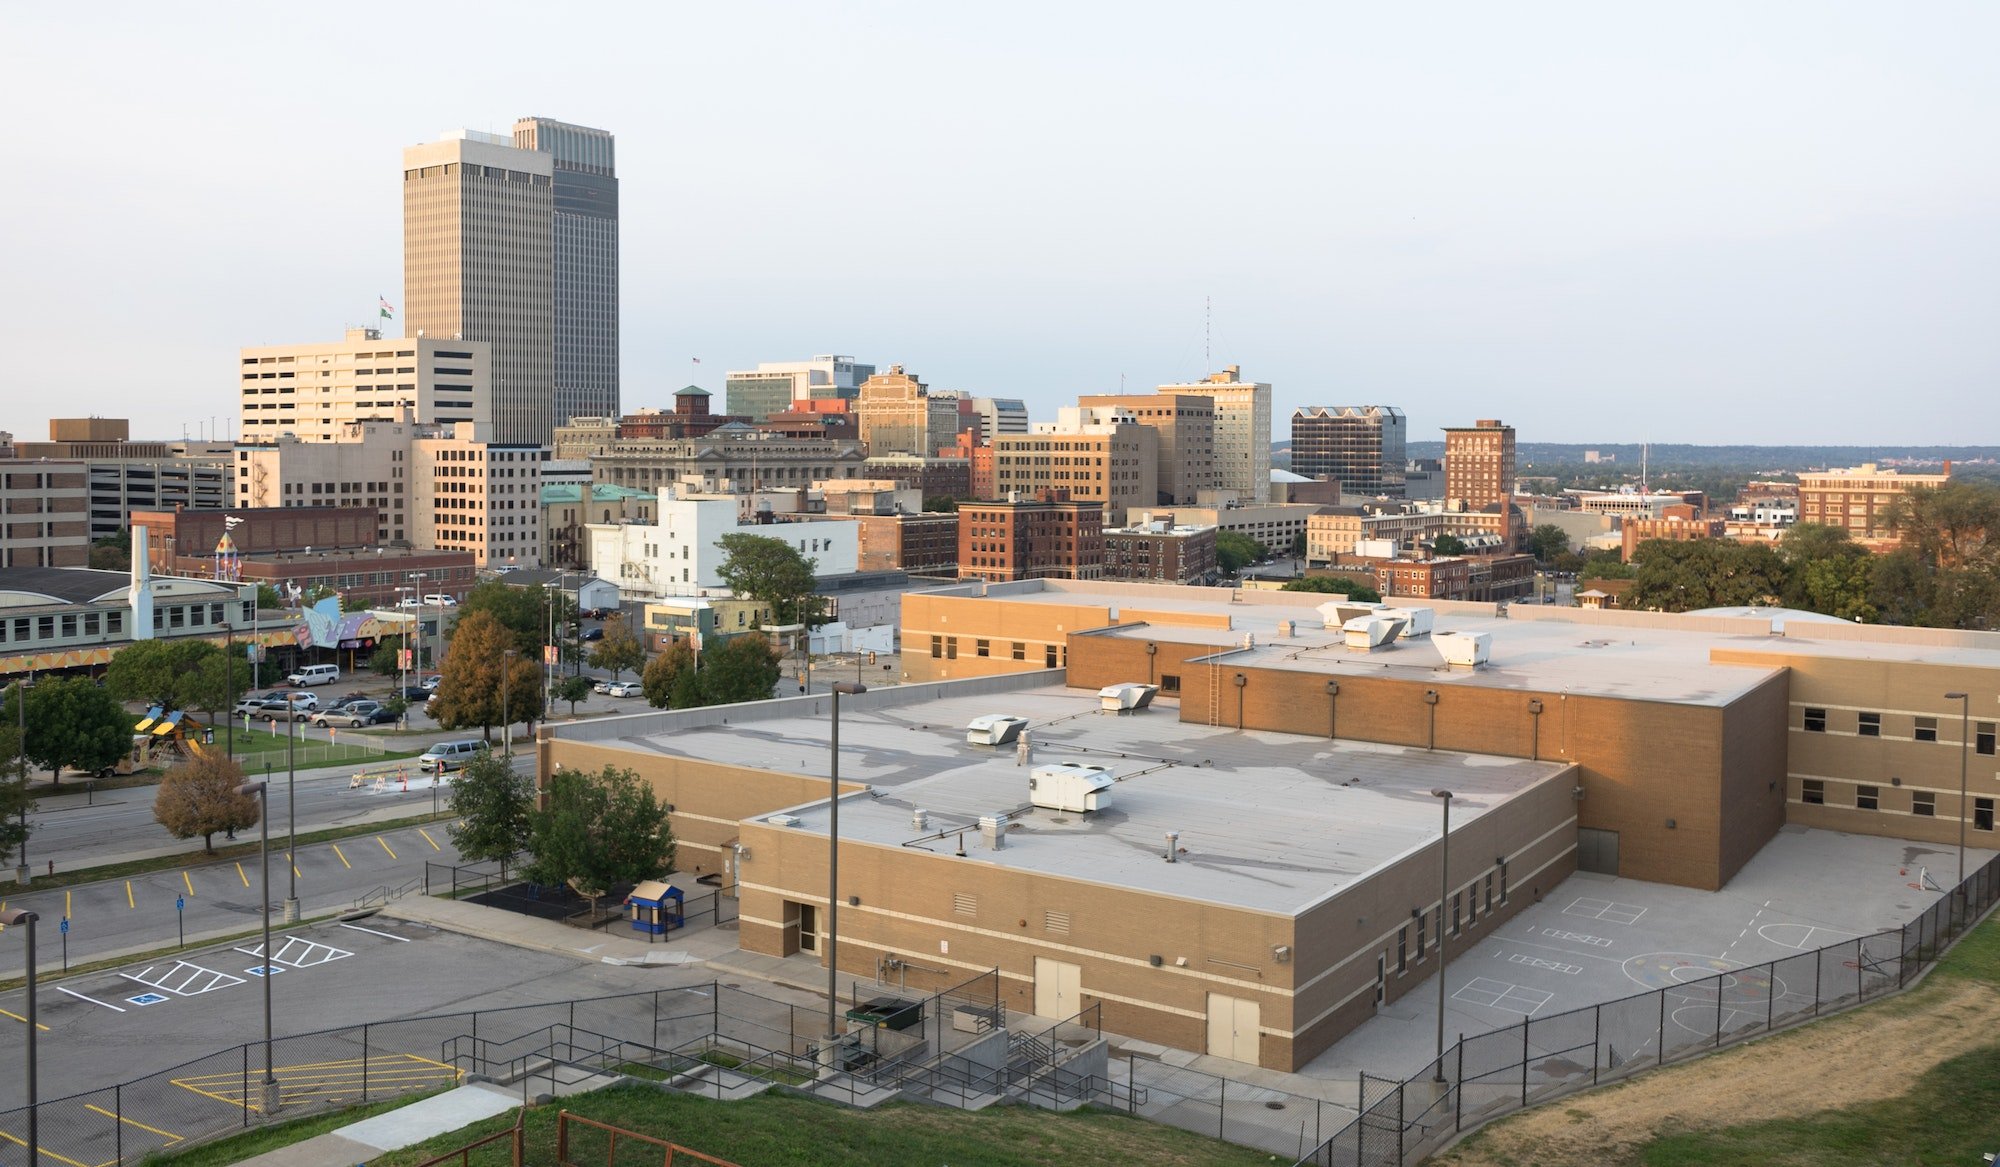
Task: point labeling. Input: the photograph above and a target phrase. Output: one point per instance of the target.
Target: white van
(439, 600)
(314, 675)
(444, 757)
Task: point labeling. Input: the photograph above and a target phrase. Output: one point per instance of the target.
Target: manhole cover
(1274, 1106)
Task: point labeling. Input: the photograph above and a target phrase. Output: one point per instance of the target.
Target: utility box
(1070, 786)
(994, 729)
(1129, 697)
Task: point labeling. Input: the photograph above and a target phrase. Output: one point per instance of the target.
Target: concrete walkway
(403, 1127)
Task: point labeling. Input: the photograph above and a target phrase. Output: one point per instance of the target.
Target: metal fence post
(1458, 1096)
(1662, 1039)
(118, 1121)
(1771, 996)
(1719, 979)
(656, 1021)
(1903, 964)
(1222, 1111)
(1596, 1040)
(364, 1061)
(1860, 974)
(1402, 1122)
(1819, 960)
(246, 1085)
(1524, 1058)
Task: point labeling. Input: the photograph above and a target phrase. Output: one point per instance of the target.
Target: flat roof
(1269, 822)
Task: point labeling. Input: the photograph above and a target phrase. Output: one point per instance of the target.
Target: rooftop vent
(1070, 786)
(1464, 649)
(783, 820)
(1129, 697)
(1336, 613)
(1368, 633)
(1420, 620)
(993, 831)
(994, 729)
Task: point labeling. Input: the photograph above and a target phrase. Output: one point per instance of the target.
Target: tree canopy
(522, 611)
(572, 689)
(743, 668)
(1547, 542)
(479, 685)
(1704, 573)
(72, 723)
(772, 571)
(15, 803)
(178, 674)
(597, 831)
(619, 650)
(1447, 544)
(1234, 551)
(199, 797)
(1334, 585)
(493, 805)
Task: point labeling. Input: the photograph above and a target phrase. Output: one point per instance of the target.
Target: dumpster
(888, 1013)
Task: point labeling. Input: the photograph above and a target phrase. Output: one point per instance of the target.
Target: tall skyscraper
(585, 251)
(514, 241)
(1242, 431)
(1359, 446)
(1479, 464)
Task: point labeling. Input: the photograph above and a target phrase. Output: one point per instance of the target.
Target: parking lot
(1598, 938)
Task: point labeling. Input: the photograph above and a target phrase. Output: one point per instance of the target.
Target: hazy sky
(1776, 223)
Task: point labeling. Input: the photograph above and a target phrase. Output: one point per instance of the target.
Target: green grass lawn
(237, 1148)
(1948, 1115)
(784, 1130)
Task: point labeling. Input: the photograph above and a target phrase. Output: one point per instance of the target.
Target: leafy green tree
(386, 660)
(1234, 551)
(1547, 542)
(744, 668)
(522, 611)
(1334, 586)
(156, 672)
(663, 675)
(771, 571)
(1950, 527)
(269, 600)
(113, 552)
(1298, 548)
(199, 797)
(573, 690)
(1447, 544)
(15, 803)
(619, 650)
(493, 806)
(1704, 573)
(595, 832)
(73, 724)
(1840, 586)
(476, 674)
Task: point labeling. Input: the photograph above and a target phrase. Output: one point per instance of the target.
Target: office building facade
(773, 385)
(1242, 431)
(1359, 446)
(1185, 425)
(1858, 500)
(584, 251)
(312, 391)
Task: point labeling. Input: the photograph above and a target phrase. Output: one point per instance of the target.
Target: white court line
(92, 1000)
(1564, 951)
(373, 932)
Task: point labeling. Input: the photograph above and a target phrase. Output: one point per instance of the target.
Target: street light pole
(1444, 893)
(291, 810)
(21, 704)
(833, 876)
(262, 792)
(1964, 743)
(506, 687)
(14, 917)
(229, 681)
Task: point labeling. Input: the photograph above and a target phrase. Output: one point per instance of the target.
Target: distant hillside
(1761, 457)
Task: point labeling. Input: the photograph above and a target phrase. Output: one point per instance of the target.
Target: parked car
(258, 709)
(314, 675)
(354, 714)
(415, 694)
(625, 689)
(445, 757)
(602, 686)
(256, 706)
(439, 600)
(597, 613)
(409, 602)
(301, 699)
(594, 634)
(431, 682)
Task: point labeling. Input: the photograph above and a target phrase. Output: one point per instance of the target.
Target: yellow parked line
(67, 914)
(129, 902)
(427, 838)
(134, 1122)
(295, 866)
(46, 1153)
(343, 858)
(189, 880)
(24, 1021)
(385, 845)
(241, 874)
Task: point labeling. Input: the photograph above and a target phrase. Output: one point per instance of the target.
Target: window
(1982, 814)
(937, 647)
(1812, 792)
(1983, 742)
(1049, 657)
(1867, 798)
(1421, 933)
(1020, 650)
(1815, 721)
(1489, 892)
(951, 648)
(1454, 913)
(1926, 730)
(1923, 802)
(1170, 682)
(982, 648)
(1503, 881)
(1870, 725)
(1402, 950)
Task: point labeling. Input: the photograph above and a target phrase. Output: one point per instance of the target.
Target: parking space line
(295, 866)
(189, 880)
(92, 1000)
(427, 838)
(129, 901)
(241, 874)
(46, 1153)
(24, 1021)
(342, 857)
(151, 1130)
(373, 932)
(67, 914)
(385, 845)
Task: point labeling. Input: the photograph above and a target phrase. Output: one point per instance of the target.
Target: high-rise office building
(514, 241)
(1185, 423)
(1479, 464)
(312, 391)
(1242, 431)
(999, 415)
(1359, 446)
(898, 414)
(585, 252)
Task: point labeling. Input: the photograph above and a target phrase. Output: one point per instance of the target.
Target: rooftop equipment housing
(1464, 649)
(1368, 633)
(1129, 697)
(994, 729)
(1070, 786)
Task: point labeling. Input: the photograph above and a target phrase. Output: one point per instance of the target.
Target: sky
(1774, 223)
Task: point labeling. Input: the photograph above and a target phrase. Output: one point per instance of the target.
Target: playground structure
(170, 730)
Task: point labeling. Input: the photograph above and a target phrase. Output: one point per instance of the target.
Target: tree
(599, 831)
(573, 690)
(387, 659)
(743, 669)
(1234, 551)
(71, 723)
(663, 675)
(269, 600)
(113, 552)
(178, 674)
(1951, 527)
(771, 571)
(1705, 573)
(1298, 548)
(199, 797)
(619, 650)
(522, 611)
(15, 803)
(479, 685)
(1334, 585)
(493, 805)
(1547, 542)
(1826, 571)
(1447, 544)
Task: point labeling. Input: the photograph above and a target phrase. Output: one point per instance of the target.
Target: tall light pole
(1444, 893)
(229, 680)
(14, 917)
(1964, 741)
(417, 590)
(262, 792)
(291, 808)
(833, 874)
(21, 705)
(506, 688)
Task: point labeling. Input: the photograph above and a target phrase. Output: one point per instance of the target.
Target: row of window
(946, 648)
(1465, 908)
(1922, 729)
(1923, 803)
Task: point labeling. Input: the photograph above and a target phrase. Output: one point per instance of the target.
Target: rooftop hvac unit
(1420, 620)
(1464, 649)
(994, 729)
(783, 820)
(1368, 633)
(993, 831)
(1129, 697)
(1070, 786)
(1336, 613)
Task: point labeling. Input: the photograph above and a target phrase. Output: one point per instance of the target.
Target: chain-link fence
(1490, 1074)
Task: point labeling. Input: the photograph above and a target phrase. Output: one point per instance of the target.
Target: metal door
(1597, 851)
(1058, 988)
(1232, 1028)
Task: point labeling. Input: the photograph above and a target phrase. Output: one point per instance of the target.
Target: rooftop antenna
(1207, 330)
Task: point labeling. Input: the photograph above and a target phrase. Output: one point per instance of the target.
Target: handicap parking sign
(65, 925)
(180, 903)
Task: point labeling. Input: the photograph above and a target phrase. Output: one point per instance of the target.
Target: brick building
(1858, 500)
(45, 509)
(1159, 552)
(921, 544)
(1029, 537)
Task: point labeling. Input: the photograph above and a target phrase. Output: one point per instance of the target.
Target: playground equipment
(172, 729)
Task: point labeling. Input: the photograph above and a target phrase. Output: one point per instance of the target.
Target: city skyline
(1590, 223)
